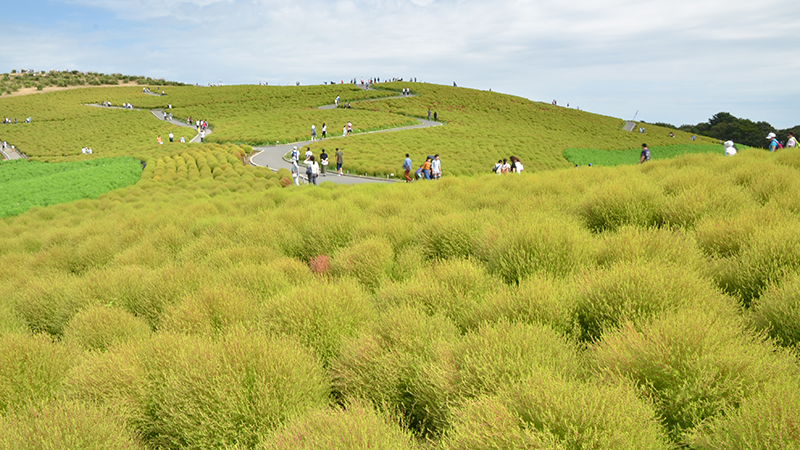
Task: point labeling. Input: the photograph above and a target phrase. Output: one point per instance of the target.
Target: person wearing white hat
(730, 150)
(774, 144)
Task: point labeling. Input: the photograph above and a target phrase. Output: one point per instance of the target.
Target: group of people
(86, 150)
(510, 165)
(406, 91)
(314, 168)
(9, 121)
(775, 144)
(431, 169)
(172, 138)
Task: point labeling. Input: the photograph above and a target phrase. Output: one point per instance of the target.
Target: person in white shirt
(792, 142)
(312, 171)
(171, 137)
(436, 168)
(730, 150)
(295, 172)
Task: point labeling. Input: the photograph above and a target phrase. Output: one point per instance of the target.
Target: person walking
(202, 135)
(506, 167)
(517, 165)
(349, 127)
(429, 114)
(339, 161)
(344, 131)
(645, 156)
(312, 170)
(324, 131)
(171, 137)
(295, 172)
(426, 168)
(435, 116)
(497, 167)
(323, 163)
(792, 141)
(436, 168)
(407, 168)
(313, 133)
(773, 144)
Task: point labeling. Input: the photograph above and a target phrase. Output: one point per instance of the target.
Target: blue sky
(679, 61)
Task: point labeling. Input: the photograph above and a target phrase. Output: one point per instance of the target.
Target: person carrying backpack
(792, 141)
(497, 167)
(773, 144)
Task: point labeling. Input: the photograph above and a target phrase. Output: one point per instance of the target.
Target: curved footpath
(272, 156)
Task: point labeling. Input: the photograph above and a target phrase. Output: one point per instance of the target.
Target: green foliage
(198, 393)
(356, 427)
(595, 157)
(32, 368)
(545, 411)
(27, 184)
(100, 327)
(53, 78)
(767, 420)
(777, 312)
(695, 364)
(66, 424)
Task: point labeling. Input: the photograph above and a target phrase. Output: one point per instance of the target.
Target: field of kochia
(204, 307)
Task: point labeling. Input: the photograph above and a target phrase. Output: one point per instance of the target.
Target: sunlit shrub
(47, 302)
(31, 368)
(536, 244)
(384, 364)
(368, 261)
(63, 425)
(545, 411)
(694, 364)
(459, 289)
(767, 420)
(629, 201)
(486, 360)
(210, 311)
(777, 312)
(355, 427)
(637, 292)
(319, 314)
(100, 327)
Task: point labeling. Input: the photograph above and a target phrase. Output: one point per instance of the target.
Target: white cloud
(678, 61)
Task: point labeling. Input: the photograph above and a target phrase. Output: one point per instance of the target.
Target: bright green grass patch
(595, 157)
(30, 183)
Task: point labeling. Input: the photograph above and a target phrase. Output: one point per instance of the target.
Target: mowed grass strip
(596, 157)
(30, 183)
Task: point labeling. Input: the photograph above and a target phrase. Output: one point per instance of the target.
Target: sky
(678, 61)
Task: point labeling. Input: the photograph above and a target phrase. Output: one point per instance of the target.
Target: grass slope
(605, 307)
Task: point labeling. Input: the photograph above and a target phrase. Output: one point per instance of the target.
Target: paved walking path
(10, 154)
(629, 126)
(159, 114)
(273, 156)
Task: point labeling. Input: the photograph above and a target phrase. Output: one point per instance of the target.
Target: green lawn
(26, 184)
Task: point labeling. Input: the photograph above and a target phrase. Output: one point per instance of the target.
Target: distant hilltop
(29, 81)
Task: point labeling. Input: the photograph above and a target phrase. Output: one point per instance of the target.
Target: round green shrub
(632, 200)
(99, 327)
(356, 427)
(545, 411)
(694, 364)
(32, 368)
(66, 425)
(368, 261)
(777, 312)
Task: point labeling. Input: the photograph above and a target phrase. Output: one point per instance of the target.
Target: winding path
(273, 156)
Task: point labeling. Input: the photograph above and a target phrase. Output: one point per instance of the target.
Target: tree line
(725, 126)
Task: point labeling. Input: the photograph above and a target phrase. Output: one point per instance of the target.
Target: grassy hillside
(481, 127)
(608, 308)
